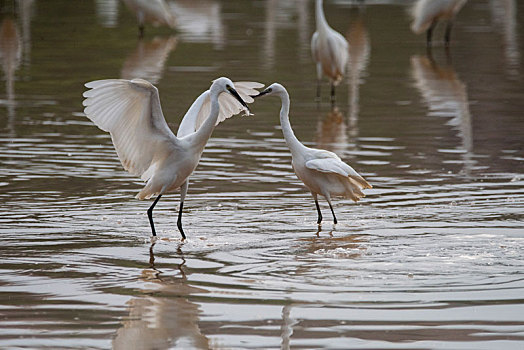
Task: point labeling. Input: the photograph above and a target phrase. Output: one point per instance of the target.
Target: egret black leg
(332, 212)
(318, 89)
(332, 93)
(179, 221)
(318, 211)
(150, 214)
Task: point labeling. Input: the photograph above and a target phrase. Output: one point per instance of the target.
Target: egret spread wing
(337, 166)
(229, 106)
(130, 111)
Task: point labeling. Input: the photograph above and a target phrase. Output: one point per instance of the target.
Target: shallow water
(431, 258)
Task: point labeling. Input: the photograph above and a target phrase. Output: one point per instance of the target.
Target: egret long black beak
(239, 99)
(266, 91)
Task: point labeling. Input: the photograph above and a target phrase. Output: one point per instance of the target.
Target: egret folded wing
(337, 166)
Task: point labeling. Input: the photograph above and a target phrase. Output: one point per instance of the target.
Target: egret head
(273, 89)
(226, 85)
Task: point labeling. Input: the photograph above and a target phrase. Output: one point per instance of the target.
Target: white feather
(130, 111)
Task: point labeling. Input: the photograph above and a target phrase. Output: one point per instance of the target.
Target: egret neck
(322, 24)
(203, 134)
(291, 140)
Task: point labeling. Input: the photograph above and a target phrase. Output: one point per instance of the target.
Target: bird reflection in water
(162, 317)
(359, 51)
(331, 132)
(200, 21)
(10, 58)
(148, 59)
(446, 96)
(504, 17)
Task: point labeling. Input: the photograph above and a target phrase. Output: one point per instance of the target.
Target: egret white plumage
(323, 172)
(329, 50)
(155, 11)
(130, 111)
(427, 13)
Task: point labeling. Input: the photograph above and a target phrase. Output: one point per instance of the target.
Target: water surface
(431, 258)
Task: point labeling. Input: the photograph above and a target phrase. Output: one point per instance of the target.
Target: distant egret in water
(427, 13)
(330, 51)
(130, 111)
(155, 11)
(322, 172)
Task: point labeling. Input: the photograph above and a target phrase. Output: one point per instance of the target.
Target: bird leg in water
(318, 90)
(179, 221)
(318, 210)
(183, 192)
(332, 212)
(150, 214)
(332, 94)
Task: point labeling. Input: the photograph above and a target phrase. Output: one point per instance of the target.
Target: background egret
(155, 11)
(322, 172)
(130, 111)
(427, 13)
(329, 50)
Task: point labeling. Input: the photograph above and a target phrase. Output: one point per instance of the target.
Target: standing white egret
(322, 172)
(427, 13)
(155, 11)
(330, 51)
(130, 111)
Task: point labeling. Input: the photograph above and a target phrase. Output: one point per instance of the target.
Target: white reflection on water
(148, 59)
(10, 58)
(107, 12)
(200, 21)
(162, 317)
(359, 54)
(331, 132)
(446, 96)
(504, 14)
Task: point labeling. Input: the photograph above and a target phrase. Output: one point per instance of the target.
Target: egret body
(329, 50)
(130, 111)
(323, 172)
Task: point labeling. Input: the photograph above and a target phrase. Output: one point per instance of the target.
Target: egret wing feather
(314, 47)
(229, 106)
(338, 51)
(130, 111)
(337, 166)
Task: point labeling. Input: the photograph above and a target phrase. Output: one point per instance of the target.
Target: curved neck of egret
(319, 16)
(292, 142)
(203, 134)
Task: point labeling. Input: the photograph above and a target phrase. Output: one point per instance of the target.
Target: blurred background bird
(157, 12)
(329, 50)
(427, 13)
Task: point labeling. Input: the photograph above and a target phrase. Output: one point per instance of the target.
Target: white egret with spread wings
(130, 111)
